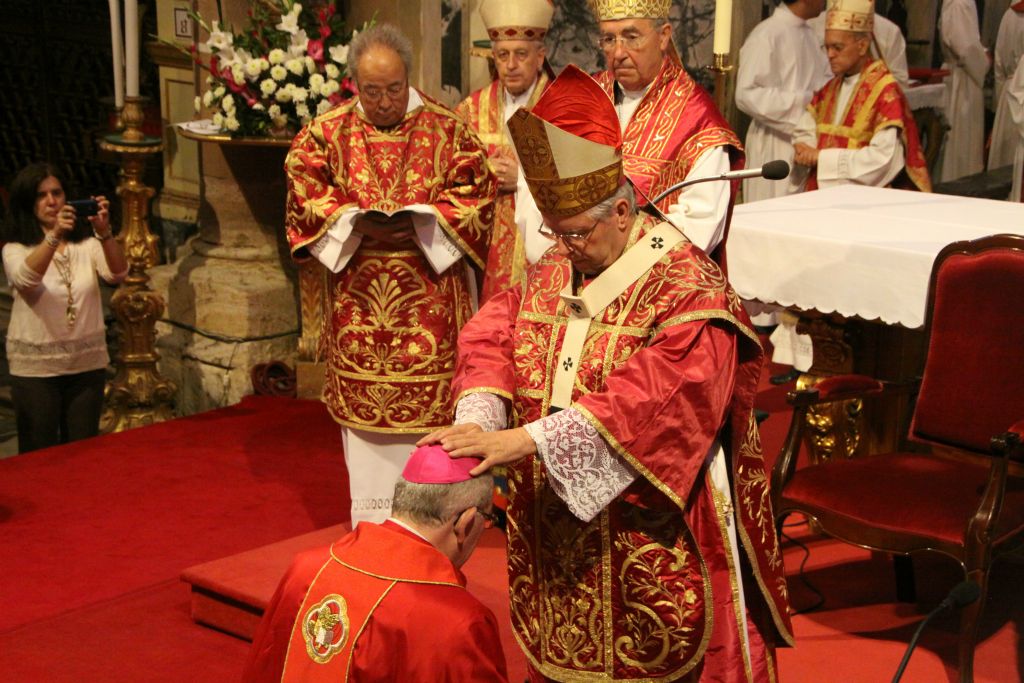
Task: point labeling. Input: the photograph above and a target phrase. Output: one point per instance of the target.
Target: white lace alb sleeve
(487, 410)
(582, 469)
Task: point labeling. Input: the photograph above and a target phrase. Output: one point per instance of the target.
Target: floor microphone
(772, 170)
(963, 594)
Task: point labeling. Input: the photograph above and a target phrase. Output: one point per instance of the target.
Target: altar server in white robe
(968, 63)
(782, 64)
(887, 44)
(1009, 48)
(1015, 104)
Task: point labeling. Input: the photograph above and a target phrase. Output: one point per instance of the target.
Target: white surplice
(781, 66)
(1009, 48)
(887, 44)
(965, 106)
(1015, 105)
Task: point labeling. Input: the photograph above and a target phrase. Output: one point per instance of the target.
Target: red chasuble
(674, 124)
(390, 345)
(877, 102)
(506, 258)
(381, 604)
(644, 590)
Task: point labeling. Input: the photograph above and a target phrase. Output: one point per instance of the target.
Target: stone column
(232, 301)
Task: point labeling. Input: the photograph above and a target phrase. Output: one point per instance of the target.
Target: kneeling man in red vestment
(387, 602)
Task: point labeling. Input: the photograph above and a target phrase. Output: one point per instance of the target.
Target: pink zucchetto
(433, 465)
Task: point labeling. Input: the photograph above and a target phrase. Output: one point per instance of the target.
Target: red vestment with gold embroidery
(506, 257)
(645, 590)
(675, 122)
(381, 604)
(877, 102)
(390, 344)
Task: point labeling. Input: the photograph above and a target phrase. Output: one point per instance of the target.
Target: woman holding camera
(56, 342)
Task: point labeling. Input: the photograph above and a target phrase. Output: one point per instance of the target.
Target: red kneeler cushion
(905, 492)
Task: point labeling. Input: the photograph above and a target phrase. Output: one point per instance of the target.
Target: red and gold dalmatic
(647, 589)
(674, 124)
(877, 103)
(391, 342)
(506, 257)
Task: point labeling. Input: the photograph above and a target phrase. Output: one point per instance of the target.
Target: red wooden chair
(964, 498)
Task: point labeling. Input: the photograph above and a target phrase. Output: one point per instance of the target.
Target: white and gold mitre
(610, 10)
(851, 15)
(569, 145)
(516, 19)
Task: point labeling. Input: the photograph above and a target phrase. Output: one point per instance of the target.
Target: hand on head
(494, 448)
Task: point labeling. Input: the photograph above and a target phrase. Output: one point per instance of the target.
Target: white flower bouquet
(287, 66)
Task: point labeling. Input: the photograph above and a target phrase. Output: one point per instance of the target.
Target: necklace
(63, 264)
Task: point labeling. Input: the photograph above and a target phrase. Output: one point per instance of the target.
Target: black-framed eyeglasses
(573, 240)
(490, 518)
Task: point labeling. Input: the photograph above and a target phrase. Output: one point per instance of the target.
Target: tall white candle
(131, 47)
(723, 26)
(117, 45)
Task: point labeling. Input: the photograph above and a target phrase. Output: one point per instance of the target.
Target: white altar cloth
(863, 252)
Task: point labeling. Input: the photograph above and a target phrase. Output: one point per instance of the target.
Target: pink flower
(315, 49)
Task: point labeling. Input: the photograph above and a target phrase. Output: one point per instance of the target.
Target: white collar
(408, 528)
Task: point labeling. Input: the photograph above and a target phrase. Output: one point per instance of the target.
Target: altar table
(854, 262)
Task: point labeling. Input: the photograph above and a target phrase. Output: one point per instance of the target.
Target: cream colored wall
(179, 198)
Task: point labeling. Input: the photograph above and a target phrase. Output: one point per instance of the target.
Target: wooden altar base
(843, 345)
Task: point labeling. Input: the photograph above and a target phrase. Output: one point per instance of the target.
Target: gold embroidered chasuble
(646, 588)
(506, 256)
(391, 339)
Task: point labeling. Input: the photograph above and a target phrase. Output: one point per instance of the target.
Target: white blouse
(40, 341)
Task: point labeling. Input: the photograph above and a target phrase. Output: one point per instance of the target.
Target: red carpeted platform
(94, 537)
(231, 594)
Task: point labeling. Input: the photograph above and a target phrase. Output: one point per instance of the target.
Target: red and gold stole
(877, 103)
(485, 112)
(391, 343)
(674, 124)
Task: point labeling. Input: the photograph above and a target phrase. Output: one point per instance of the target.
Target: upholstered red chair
(961, 491)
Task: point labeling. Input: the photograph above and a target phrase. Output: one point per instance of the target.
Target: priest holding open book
(391, 192)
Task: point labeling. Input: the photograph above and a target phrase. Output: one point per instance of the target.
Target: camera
(85, 207)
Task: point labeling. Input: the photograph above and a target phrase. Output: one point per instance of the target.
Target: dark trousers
(56, 410)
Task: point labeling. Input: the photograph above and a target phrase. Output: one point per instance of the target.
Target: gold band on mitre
(566, 174)
(610, 10)
(851, 15)
(516, 19)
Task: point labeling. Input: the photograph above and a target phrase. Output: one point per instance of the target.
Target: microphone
(773, 170)
(963, 594)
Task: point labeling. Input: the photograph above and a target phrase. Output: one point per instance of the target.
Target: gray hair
(436, 504)
(604, 209)
(380, 35)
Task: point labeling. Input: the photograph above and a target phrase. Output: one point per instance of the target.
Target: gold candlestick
(721, 67)
(138, 395)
